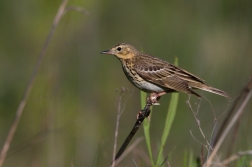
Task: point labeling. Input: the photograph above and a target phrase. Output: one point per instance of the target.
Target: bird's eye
(118, 48)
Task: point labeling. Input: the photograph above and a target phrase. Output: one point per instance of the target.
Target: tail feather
(210, 89)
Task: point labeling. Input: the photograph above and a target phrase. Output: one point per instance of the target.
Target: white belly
(149, 87)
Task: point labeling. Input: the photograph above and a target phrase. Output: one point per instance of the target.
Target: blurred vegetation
(70, 115)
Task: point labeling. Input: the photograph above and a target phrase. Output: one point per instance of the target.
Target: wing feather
(166, 75)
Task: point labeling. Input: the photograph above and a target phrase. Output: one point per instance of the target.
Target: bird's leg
(154, 97)
(151, 100)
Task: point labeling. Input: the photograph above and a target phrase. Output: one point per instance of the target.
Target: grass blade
(169, 120)
(146, 127)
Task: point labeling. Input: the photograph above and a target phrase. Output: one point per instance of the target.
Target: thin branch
(237, 101)
(134, 162)
(120, 107)
(198, 140)
(215, 122)
(198, 122)
(119, 100)
(140, 117)
(123, 105)
(215, 119)
(234, 137)
(30, 83)
(130, 148)
(212, 134)
(235, 157)
(168, 164)
(226, 131)
(238, 123)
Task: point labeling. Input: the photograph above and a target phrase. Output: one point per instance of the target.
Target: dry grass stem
(128, 150)
(168, 164)
(198, 121)
(30, 83)
(215, 119)
(134, 161)
(208, 145)
(226, 131)
(237, 102)
(120, 108)
(202, 144)
(235, 157)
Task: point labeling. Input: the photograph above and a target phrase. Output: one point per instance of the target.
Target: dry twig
(198, 122)
(127, 151)
(235, 157)
(236, 103)
(61, 11)
(30, 83)
(140, 117)
(120, 108)
(226, 131)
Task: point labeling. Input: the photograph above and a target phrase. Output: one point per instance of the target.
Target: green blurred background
(70, 116)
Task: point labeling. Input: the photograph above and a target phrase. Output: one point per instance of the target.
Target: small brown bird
(156, 76)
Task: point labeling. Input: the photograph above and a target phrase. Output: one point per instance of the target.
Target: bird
(156, 76)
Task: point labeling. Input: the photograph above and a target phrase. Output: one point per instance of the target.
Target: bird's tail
(209, 89)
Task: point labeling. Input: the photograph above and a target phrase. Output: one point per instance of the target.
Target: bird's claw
(154, 97)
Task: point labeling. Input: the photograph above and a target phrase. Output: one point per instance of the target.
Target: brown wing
(165, 74)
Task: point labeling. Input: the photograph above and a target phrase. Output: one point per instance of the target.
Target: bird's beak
(107, 52)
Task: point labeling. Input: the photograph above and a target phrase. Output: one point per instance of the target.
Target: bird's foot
(154, 97)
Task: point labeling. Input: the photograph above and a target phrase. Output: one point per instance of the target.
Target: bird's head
(122, 51)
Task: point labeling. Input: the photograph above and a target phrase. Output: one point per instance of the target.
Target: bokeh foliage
(70, 114)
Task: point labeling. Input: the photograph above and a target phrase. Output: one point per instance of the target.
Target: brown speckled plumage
(155, 75)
